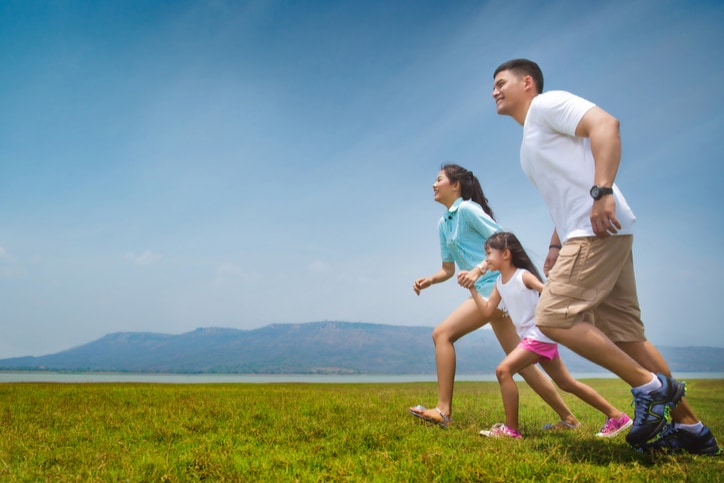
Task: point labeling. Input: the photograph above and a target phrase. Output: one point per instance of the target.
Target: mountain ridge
(329, 347)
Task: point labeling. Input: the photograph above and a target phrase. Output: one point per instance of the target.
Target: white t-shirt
(521, 301)
(561, 166)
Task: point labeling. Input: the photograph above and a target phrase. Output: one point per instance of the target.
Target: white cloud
(228, 268)
(144, 259)
(319, 266)
(227, 273)
(6, 272)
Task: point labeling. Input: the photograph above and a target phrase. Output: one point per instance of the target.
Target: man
(571, 151)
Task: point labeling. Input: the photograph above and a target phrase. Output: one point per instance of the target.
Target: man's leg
(686, 432)
(646, 354)
(592, 273)
(587, 341)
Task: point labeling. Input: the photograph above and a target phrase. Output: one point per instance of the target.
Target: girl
(518, 286)
(463, 229)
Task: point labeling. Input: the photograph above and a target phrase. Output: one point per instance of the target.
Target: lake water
(290, 378)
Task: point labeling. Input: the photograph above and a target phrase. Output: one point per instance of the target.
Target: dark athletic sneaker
(672, 440)
(651, 409)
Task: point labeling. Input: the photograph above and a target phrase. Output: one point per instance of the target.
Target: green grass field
(318, 432)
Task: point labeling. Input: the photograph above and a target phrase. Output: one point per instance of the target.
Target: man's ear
(528, 82)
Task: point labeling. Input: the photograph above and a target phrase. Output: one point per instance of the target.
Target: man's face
(508, 91)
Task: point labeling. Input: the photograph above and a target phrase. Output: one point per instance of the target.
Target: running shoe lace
(641, 404)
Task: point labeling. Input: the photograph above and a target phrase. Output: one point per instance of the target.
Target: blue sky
(172, 165)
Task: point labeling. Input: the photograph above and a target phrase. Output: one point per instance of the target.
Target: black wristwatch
(598, 192)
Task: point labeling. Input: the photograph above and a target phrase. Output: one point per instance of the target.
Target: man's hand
(550, 260)
(603, 217)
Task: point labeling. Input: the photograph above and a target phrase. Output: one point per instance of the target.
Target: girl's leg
(463, 320)
(509, 340)
(558, 372)
(514, 362)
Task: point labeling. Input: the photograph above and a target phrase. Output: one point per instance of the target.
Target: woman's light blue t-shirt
(463, 231)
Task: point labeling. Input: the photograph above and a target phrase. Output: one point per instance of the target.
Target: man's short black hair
(523, 67)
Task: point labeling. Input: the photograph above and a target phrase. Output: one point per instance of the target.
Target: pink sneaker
(614, 426)
(500, 430)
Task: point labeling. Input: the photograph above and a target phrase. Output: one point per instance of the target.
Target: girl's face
(494, 258)
(445, 192)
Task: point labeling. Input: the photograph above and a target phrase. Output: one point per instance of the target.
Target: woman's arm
(446, 271)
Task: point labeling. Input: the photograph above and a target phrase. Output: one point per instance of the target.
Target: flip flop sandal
(446, 420)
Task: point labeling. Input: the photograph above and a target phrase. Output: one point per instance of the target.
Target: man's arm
(553, 250)
(603, 131)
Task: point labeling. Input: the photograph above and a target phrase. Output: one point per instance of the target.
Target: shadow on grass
(600, 452)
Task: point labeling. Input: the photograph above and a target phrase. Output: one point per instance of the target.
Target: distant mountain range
(309, 348)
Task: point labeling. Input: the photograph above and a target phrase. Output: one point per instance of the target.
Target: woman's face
(445, 192)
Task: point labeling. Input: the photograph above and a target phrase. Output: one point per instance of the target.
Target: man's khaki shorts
(593, 281)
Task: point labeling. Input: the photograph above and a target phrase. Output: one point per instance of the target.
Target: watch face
(597, 192)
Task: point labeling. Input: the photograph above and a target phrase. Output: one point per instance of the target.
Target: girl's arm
(486, 307)
(446, 271)
(532, 282)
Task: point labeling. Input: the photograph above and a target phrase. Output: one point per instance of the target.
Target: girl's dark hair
(470, 188)
(519, 258)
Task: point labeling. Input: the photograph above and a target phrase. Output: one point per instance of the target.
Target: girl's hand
(466, 279)
(420, 284)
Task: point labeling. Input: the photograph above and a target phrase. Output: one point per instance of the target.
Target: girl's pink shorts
(545, 350)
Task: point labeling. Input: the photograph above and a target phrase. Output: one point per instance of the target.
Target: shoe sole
(707, 452)
(682, 450)
(489, 434)
(617, 432)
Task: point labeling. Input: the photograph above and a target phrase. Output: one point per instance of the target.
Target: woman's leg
(509, 340)
(463, 320)
(557, 370)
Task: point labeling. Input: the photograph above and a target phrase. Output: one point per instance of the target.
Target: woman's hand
(420, 284)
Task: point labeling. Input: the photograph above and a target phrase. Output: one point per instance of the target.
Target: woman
(467, 223)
